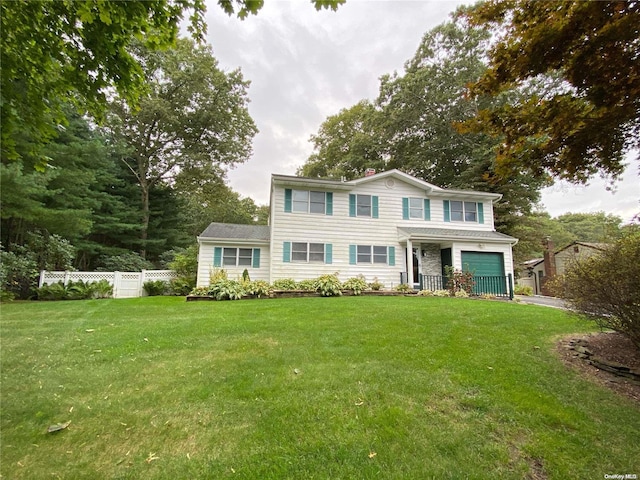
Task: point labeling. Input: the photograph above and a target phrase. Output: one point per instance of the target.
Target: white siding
(341, 230)
(205, 261)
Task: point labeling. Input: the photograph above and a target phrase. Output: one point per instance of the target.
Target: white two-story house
(390, 226)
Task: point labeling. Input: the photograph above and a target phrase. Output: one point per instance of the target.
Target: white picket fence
(125, 284)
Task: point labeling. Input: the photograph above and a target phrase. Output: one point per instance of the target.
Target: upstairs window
(414, 208)
(363, 205)
(459, 211)
(308, 201)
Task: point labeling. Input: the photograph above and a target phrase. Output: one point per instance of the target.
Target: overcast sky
(305, 65)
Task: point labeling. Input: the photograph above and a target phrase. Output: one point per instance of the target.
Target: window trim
(449, 211)
(355, 253)
(288, 252)
(219, 257)
(290, 201)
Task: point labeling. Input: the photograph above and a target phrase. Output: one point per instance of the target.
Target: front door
(416, 268)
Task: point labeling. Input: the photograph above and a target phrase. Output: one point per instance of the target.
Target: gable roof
(595, 246)
(429, 188)
(232, 231)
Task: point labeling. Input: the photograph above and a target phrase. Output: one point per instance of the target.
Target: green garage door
(488, 271)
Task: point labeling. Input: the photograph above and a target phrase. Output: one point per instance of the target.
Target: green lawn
(352, 387)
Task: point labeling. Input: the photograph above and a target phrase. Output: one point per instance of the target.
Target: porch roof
(411, 233)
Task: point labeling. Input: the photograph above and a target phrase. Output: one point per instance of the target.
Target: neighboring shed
(539, 270)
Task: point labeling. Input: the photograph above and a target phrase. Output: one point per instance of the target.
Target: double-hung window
(233, 257)
(303, 252)
(376, 254)
(308, 201)
(464, 211)
(236, 257)
(459, 211)
(361, 205)
(307, 252)
(416, 208)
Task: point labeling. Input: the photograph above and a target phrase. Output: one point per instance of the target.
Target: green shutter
(286, 252)
(405, 208)
(374, 206)
(328, 253)
(256, 258)
(329, 203)
(352, 205)
(447, 214)
(392, 256)
(427, 209)
(352, 255)
(217, 257)
(480, 212)
(287, 200)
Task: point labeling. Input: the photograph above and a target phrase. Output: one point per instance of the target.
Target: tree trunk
(145, 218)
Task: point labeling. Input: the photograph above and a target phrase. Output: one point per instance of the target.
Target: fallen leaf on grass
(90, 330)
(58, 426)
(372, 454)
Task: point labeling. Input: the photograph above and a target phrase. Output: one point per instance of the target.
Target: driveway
(541, 300)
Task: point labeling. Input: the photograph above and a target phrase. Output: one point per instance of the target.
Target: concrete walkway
(542, 300)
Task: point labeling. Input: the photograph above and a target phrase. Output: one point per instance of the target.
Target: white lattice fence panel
(154, 275)
(90, 277)
(125, 284)
(52, 277)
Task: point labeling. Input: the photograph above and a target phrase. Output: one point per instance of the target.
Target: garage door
(488, 270)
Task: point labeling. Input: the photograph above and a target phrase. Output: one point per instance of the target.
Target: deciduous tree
(587, 124)
(193, 118)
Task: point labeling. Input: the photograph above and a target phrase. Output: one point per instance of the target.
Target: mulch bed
(613, 348)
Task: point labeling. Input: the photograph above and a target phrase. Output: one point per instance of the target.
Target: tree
(347, 144)
(413, 126)
(59, 51)
(194, 118)
(591, 227)
(604, 288)
(587, 124)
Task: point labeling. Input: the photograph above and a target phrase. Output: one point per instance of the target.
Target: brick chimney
(549, 265)
(369, 171)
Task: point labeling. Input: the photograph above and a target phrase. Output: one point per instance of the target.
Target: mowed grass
(352, 387)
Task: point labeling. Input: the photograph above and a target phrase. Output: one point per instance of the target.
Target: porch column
(410, 263)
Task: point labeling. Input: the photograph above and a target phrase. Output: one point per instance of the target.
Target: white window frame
(468, 211)
(373, 256)
(360, 205)
(310, 255)
(416, 212)
(305, 197)
(239, 260)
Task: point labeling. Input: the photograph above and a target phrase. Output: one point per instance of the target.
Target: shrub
(309, 285)
(442, 293)
(181, 286)
(54, 291)
(426, 293)
(376, 285)
(284, 284)
(200, 292)
(18, 274)
(461, 294)
(605, 288)
(356, 284)
(245, 275)
(458, 280)
(78, 290)
(329, 285)
(217, 275)
(404, 288)
(227, 290)
(155, 288)
(523, 290)
(259, 288)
